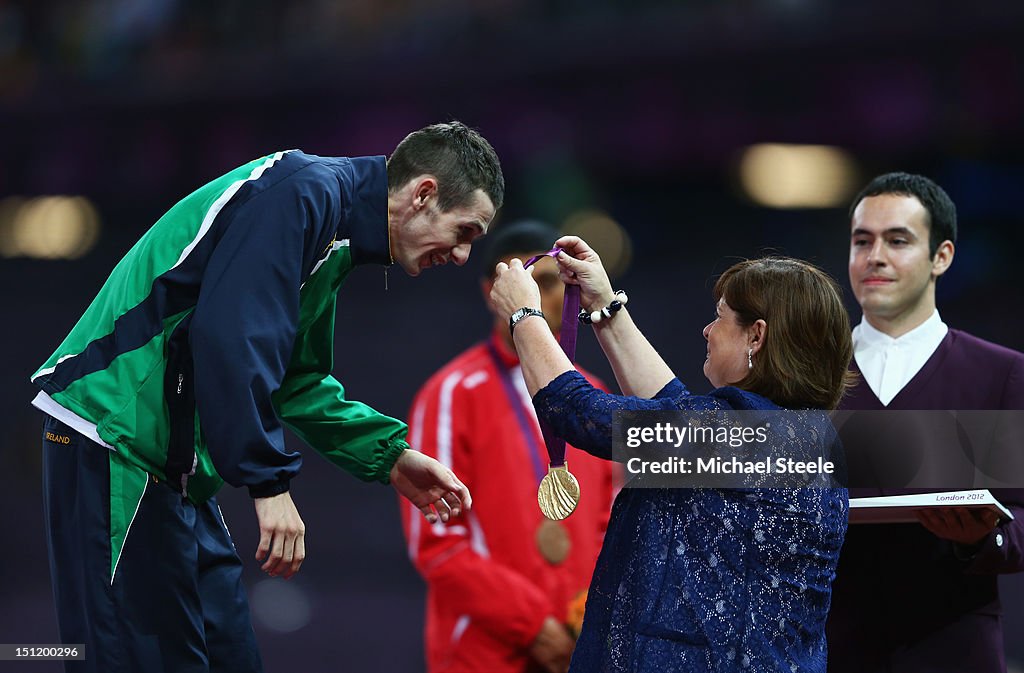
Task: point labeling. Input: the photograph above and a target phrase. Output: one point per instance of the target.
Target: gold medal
(559, 492)
(553, 541)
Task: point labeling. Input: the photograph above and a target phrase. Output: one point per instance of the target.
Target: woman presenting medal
(706, 579)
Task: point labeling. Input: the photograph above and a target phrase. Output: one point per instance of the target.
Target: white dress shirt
(888, 364)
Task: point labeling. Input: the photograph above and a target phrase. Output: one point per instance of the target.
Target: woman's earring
(750, 358)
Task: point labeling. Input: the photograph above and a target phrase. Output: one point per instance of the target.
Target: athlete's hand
(282, 535)
(552, 648)
(430, 486)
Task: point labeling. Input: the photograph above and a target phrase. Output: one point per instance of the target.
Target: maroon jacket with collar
(905, 600)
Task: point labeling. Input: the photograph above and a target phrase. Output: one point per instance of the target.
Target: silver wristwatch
(520, 314)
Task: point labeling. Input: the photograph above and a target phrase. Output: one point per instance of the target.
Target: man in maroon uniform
(908, 597)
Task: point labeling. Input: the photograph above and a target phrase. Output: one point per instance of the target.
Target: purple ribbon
(567, 340)
(525, 427)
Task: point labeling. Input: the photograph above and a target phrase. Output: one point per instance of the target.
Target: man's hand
(430, 486)
(282, 535)
(966, 527)
(552, 648)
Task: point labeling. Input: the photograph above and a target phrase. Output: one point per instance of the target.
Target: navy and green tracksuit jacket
(217, 328)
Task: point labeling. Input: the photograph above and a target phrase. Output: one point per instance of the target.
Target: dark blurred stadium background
(641, 123)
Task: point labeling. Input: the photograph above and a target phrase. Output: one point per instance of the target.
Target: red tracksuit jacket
(489, 587)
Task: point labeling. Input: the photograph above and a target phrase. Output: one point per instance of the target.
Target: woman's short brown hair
(805, 358)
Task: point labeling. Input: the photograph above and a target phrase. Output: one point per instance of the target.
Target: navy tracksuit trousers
(176, 603)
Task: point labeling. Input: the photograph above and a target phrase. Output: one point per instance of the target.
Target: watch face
(520, 314)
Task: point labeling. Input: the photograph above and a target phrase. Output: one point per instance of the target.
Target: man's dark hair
(936, 202)
(459, 157)
(517, 237)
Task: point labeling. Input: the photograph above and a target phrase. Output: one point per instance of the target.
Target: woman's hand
(514, 288)
(579, 265)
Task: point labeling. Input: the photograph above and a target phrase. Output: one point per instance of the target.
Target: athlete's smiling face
(424, 236)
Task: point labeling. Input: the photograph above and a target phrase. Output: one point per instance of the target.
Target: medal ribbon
(567, 340)
(514, 399)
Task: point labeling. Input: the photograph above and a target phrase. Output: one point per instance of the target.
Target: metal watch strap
(520, 314)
